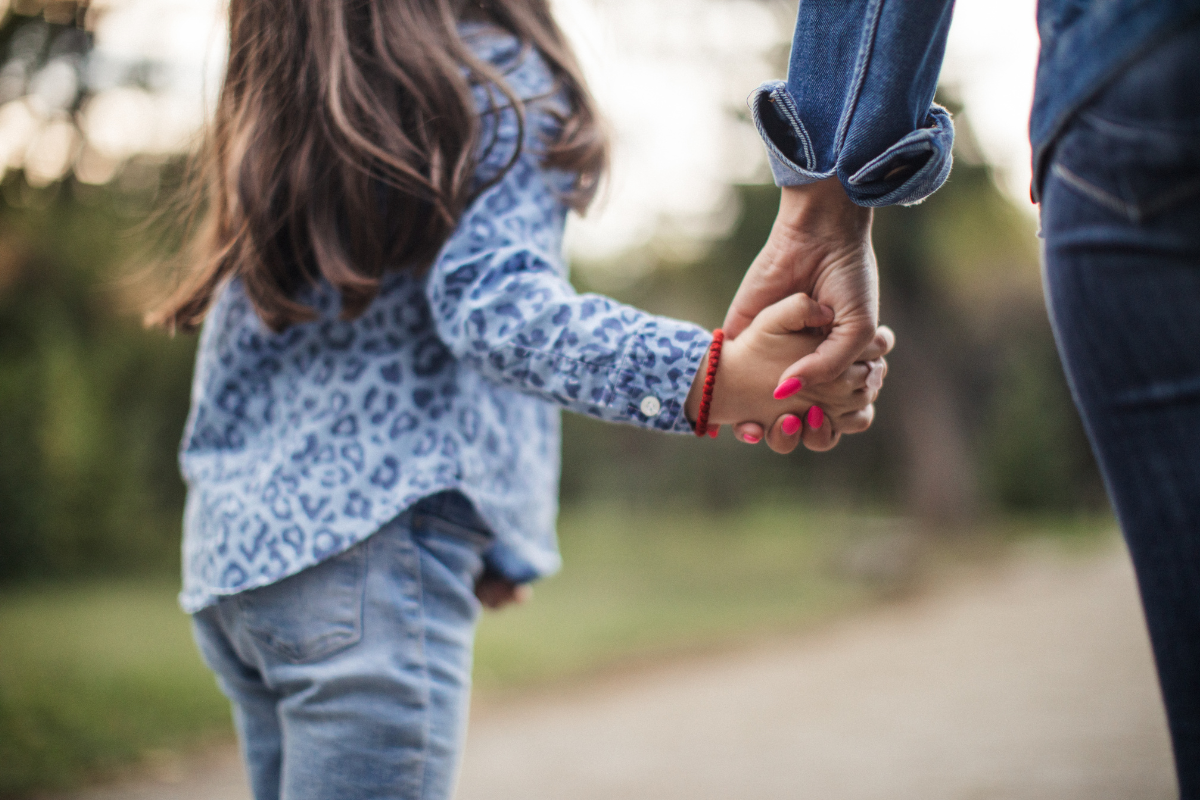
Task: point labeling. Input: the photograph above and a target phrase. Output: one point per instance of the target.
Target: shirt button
(651, 406)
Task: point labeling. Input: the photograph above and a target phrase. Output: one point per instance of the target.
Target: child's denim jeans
(351, 679)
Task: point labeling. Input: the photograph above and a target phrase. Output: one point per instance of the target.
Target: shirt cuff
(652, 383)
(906, 172)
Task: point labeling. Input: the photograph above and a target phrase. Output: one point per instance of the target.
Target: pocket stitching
(1093, 192)
(449, 528)
(1134, 212)
(328, 643)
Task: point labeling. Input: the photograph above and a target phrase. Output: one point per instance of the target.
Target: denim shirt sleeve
(858, 101)
(503, 306)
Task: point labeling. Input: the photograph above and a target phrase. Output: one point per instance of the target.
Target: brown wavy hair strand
(344, 144)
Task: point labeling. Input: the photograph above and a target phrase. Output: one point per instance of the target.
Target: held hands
(820, 245)
(861, 382)
(750, 366)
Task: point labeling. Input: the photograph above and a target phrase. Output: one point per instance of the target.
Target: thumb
(794, 313)
(834, 354)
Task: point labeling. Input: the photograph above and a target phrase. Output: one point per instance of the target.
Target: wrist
(821, 208)
(740, 393)
(744, 386)
(691, 406)
(698, 404)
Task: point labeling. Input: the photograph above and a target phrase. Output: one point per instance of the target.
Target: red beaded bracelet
(710, 379)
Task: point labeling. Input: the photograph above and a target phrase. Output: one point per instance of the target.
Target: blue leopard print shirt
(303, 443)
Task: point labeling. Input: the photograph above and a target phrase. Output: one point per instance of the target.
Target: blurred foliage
(91, 405)
(975, 417)
(96, 675)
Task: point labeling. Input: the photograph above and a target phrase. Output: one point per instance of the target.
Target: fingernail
(788, 388)
(750, 438)
(816, 417)
(829, 312)
(790, 424)
(712, 432)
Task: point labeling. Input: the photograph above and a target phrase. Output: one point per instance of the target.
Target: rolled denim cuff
(906, 172)
(789, 148)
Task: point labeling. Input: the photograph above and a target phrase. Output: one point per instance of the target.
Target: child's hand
(779, 336)
(496, 592)
(820, 431)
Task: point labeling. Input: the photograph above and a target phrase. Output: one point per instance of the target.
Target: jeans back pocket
(1138, 173)
(1135, 148)
(310, 615)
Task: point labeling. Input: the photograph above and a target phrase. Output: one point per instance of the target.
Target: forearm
(857, 104)
(587, 354)
(502, 305)
(821, 212)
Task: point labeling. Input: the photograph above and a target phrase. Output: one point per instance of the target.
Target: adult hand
(820, 244)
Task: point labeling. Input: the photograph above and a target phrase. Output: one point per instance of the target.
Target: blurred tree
(975, 416)
(91, 406)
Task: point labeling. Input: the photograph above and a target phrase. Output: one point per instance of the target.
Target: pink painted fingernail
(750, 438)
(788, 388)
(816, 417)
(790, 424)
(713, 431)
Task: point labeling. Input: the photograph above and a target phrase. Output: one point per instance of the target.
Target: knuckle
(854, 425)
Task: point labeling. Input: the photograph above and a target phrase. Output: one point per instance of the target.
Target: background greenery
(976, 418)
(671, 543)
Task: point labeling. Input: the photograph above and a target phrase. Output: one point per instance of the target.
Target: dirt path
(1035, 683)
(1032, 682)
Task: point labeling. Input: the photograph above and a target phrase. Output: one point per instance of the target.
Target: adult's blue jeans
(1121, 221)
(351, 679)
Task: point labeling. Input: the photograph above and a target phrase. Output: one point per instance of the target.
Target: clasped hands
(802, 331)
(808, 310)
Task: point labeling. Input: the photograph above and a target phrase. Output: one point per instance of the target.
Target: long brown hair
(344, 144)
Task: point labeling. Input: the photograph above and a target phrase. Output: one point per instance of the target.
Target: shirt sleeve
(858, 100)
(502, 304)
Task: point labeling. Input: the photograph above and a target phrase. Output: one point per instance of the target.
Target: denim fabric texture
(1084, 45)
(351, 679)
(858, 101)
(1121, 221)
(858, 98)
(303, 443)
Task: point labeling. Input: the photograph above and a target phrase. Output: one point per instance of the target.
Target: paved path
(1035, 683)
(1032, 682)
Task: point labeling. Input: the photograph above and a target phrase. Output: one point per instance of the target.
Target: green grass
(640, 585)
(92, 676)
(96, 676)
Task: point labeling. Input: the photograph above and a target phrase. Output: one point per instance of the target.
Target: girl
(388, 337)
